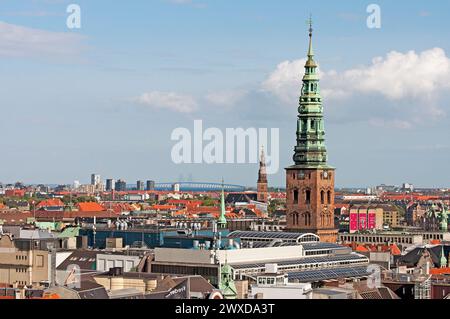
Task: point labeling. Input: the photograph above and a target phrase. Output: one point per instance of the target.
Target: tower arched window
(322, 197)
(329, 197)
(295, 196)
(295, 218)
(308, 197)
(307, 219)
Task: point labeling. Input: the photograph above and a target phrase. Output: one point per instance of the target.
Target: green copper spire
(310, 50)
(310, 150)
(222, 222)
(443, 259)
(226, 283)
(444, 218)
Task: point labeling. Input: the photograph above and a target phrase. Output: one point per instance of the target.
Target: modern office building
(150, 186)
(140, 186)
(96, 179)
(110, 185)
(121, 186)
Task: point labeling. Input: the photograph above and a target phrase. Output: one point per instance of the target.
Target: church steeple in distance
(262, 187)
(310, 149)
(262, 175)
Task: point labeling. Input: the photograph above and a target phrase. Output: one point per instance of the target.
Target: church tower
(310, 182)
(262, 180)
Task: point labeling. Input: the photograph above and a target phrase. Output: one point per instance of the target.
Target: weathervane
(310, 23)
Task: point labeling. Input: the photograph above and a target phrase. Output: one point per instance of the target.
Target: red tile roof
(90, 207)
(361, 249)
(164, 207)
(395, 250)
(15, 217)
(440, 271)
(50, 203)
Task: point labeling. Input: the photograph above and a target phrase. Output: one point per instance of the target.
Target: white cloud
(401, 75)
(396, 76)
(225, 98)
(19, 41)
(401, 124)
(285, 82)
(408, 85)
(170, 101)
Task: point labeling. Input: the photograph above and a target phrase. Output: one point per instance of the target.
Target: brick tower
(262, 180)
(310, 182)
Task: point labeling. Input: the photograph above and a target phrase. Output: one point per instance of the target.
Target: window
(307, 219)
(39, 260)
(295, 196)
(329, 197)
(295, 218)
(322, 197)
(308, 197)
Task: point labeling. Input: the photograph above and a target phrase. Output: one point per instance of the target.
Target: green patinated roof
(46, 225)
(69, 232)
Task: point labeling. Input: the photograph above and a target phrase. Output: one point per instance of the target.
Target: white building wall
(106, 262)
(299, 291)
(191, 256)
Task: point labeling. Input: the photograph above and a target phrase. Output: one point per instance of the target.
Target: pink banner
(353, 222)
(362, 221)
(372, 220)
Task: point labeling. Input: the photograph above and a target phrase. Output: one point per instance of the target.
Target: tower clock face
(325, 174)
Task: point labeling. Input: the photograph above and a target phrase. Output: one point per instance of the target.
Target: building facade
(22, 267)
(150, 185)
(140, 186)
(110, 185)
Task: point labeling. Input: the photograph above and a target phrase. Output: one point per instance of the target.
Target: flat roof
(319, 245)
(270, 235)
(303, 261)
(328, 274)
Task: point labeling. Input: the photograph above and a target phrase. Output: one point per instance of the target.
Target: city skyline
(239, 151)
(98, 110)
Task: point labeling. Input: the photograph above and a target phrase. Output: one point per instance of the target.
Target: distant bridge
(199, 187)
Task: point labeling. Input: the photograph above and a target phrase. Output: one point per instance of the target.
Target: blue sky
(72, 101)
